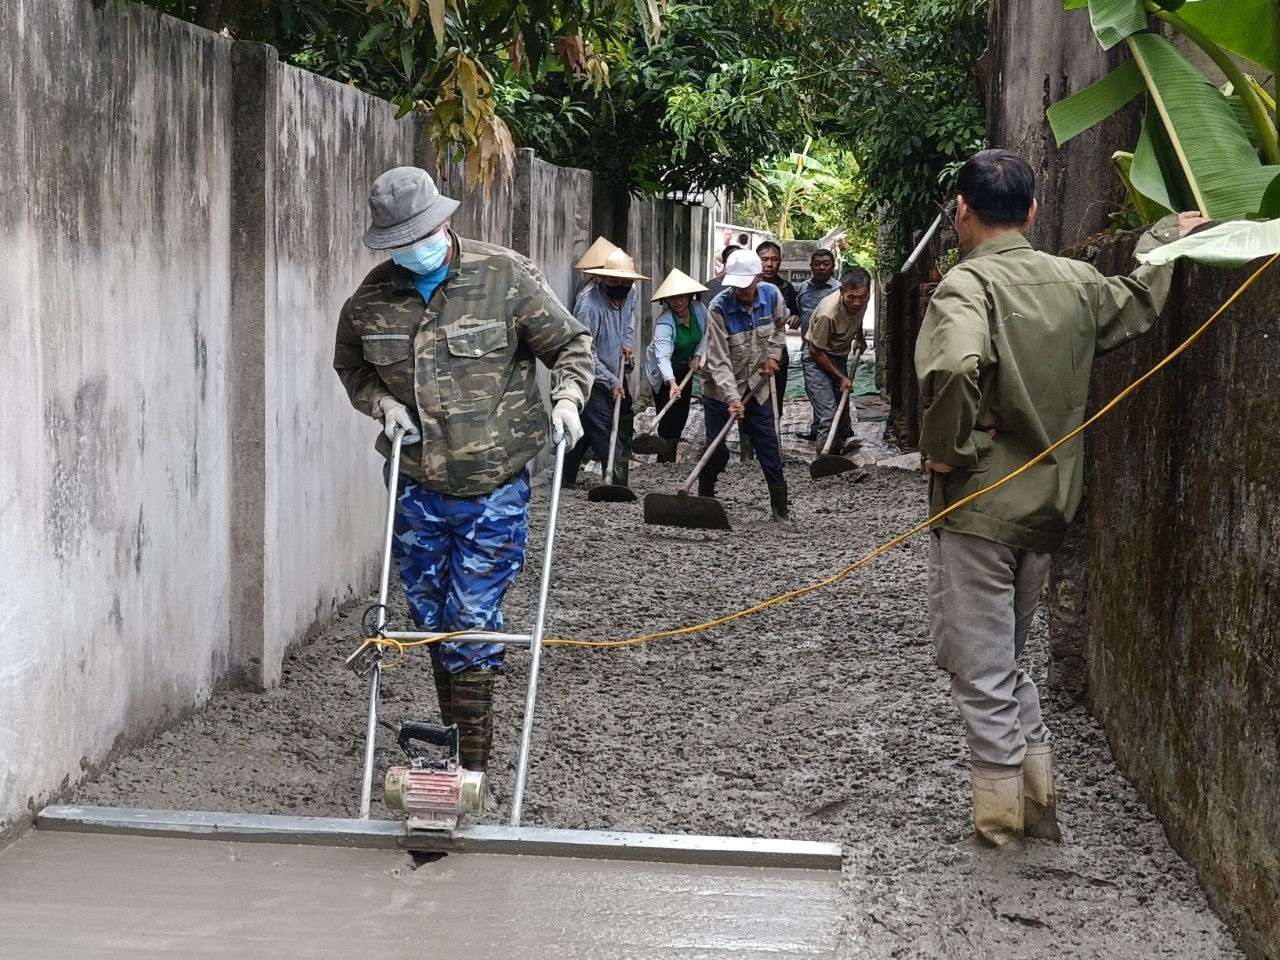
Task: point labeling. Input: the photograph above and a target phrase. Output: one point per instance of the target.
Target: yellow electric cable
(841, 574)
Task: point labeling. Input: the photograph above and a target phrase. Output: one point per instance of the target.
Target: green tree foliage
(660, 96)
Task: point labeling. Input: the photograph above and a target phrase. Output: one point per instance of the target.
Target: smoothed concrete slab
(79, 896)
(480, 838)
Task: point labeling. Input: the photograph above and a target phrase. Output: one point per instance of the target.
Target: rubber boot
(706, 486)
(778, 502)
(444, 687)
(997, 803)
(746, 451)
(573, 458)
(669, 455)
(473, 713)
(621, 471)
(1039, 799)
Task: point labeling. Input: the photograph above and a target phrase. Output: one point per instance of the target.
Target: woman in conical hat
(678, 346)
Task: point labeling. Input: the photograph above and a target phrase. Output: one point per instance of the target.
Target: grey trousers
(982, 600)
(825, 397)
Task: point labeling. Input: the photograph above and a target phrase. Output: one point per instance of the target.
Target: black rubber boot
(473, 713)
(444, 687)
(573, 458)
(621, 472)
(778, 502)
(706, 487)
(669, 455)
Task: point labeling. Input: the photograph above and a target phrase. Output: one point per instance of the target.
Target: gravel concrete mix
(823, 718)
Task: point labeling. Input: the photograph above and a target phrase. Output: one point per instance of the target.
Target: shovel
(829, 464)
(651, 442)
(611, 492)
(681, 509)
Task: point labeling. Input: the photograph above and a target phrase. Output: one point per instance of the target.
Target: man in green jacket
(1003, 358)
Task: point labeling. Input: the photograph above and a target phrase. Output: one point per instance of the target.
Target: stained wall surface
(1183, 586)
(185, 490)
(1167, 593)
(114, 338)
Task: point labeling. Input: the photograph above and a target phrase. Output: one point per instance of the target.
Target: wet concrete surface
(824, 718)
(157, 897)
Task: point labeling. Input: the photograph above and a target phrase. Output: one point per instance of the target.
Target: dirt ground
(824, 718)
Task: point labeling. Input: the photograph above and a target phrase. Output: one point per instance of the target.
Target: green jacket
(464, 363)
(1007, 345)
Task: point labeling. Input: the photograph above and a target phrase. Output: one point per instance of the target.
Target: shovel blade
(649, 443)
(829, 466)
(610, 493)
(675, 510)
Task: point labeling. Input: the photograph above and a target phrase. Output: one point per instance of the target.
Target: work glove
(396, 414)
(565, 421)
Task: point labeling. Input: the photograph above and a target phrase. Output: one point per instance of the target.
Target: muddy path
(823, 718)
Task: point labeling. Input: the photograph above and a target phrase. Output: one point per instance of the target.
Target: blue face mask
(426, 256)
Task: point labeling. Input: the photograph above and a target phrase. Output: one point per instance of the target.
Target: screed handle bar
(535, 641)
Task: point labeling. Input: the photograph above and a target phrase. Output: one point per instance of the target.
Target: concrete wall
(1183, 585)
(1039, 53)
(185, 491)
(1167, 593)
(323, 486)
(114, 349)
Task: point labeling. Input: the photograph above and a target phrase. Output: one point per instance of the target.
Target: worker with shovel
(607, 309)
(674, 354)
(834, 327)
(1004, 358)
(440, 342)
(745, 340)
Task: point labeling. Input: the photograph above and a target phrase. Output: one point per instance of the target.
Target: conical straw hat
(676, 283)
(596, 254)
(618, 264)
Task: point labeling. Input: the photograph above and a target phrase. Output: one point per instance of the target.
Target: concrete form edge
(480, 838)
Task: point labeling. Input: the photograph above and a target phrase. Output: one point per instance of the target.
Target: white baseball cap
(742, 270)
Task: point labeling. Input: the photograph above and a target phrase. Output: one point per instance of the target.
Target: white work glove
(395, 414)
(565, 419)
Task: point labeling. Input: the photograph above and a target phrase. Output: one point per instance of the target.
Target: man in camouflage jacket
(442, 340)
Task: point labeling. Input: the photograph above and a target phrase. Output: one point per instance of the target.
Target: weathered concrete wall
(1184, 586)
(1039, 53)
(1167, 594)
(190, 492)
(323, 487)
(114, 454)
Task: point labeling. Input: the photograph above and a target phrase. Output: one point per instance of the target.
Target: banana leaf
(1230, 244)
(1223, 175)
(1241, 26)
(1114, 20)
(1077, 113)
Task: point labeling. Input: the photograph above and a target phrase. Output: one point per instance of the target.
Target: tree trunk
(214, 14)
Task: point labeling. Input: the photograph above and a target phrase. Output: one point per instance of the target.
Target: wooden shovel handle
(706, 455)
(835, 421)
(844, 399)
(672, 402)
(613, 433)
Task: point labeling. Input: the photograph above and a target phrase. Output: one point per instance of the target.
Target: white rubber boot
(1040, 801)
(997, 803)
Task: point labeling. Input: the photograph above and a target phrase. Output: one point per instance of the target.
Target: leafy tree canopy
(659, 95)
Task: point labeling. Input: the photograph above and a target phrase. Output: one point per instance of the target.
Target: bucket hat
(677, 282)
(596, 254)
(405, 206)
(742, 269)
(618, 264)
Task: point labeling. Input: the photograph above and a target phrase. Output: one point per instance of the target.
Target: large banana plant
(1201, 147)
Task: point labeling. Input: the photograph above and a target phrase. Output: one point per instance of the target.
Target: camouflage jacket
(464, 363)
(739, 341)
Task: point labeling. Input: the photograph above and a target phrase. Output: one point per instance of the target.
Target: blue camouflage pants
(457, 556)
